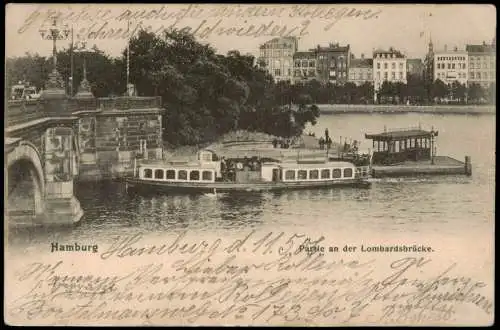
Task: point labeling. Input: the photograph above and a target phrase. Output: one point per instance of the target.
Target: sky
(404, 27)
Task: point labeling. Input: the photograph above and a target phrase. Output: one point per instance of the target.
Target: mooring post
(468, 166)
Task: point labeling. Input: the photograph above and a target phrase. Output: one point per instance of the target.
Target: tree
(492, 93)
(475, 93)
(439, 90)
(458, 91)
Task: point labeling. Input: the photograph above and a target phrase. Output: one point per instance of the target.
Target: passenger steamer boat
(212, 173)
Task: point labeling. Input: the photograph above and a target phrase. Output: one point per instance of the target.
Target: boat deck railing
(403, 129)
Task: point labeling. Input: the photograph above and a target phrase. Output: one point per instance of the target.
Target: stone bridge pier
(56, 141)
(40, 185)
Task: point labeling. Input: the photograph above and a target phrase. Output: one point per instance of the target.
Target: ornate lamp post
(55, 83)
(84, 89)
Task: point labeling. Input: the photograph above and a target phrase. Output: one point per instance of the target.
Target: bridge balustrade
(125, 103)
(22, 111)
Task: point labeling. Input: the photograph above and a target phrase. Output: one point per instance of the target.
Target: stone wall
(110, 141)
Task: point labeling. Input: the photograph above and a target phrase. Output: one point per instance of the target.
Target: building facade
(450, 66)
(304, 66)
(277, 57)
(388, 65)
(361, 70)
(482, 64)
(332, 63)
(414, 67)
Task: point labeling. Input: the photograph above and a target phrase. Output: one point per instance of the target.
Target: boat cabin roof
(296, 165)
(401, 135)
(177, 165)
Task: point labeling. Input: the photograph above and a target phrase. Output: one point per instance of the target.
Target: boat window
(194, 175)
(313, 174)
(148, 173)
(336, 173)
(325, 174)
(347, 172)
(302, 175)
(170, 174)
(290, 175)
(206, 156)
(207, 175)
(182, 175)
(158, 174)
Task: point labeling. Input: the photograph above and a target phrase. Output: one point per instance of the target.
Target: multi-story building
(414, 67)
(388, 65)
(304, 67)
(361, 70)
(450, 66)
(332, 63)
(277, 57)
(482, 64)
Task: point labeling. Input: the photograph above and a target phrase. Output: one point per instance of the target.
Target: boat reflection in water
(242, 171)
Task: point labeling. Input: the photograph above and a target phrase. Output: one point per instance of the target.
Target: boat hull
(134, 184)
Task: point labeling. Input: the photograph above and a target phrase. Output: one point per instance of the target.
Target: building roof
(411, 133)
(330, 49)
(361, 63)
(480, 48)
(280, 40)
(390, 51)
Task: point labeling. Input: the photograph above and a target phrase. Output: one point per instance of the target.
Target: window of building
(385, 65)
(401, 65)
(148, 173)
(347, 172)
(393, 65)
(393, 75)
(170, 174)
(325, 174)
(290, 175)
(313, 174)
(302, 174)
(336, 173)
(207, 175)
(385, 75)
(449, 66)
(401, 75)
(182, 175)
(277, 72)
(478, 75)
(453, 65)
(472, 75)
(378, 65)
(158, 174)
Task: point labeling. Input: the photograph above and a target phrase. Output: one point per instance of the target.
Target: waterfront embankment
(389, 108)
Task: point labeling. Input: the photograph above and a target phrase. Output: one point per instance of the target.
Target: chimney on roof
(456, 48)
(352, 56)
(362, 56)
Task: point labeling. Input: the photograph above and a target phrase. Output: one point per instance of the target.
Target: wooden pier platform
(443, 165)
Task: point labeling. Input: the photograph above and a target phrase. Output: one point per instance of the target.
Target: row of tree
(415, 91)
(206, 94)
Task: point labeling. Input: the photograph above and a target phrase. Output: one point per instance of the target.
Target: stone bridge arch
(27, 157)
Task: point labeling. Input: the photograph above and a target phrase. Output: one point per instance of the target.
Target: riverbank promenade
(389, 108)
